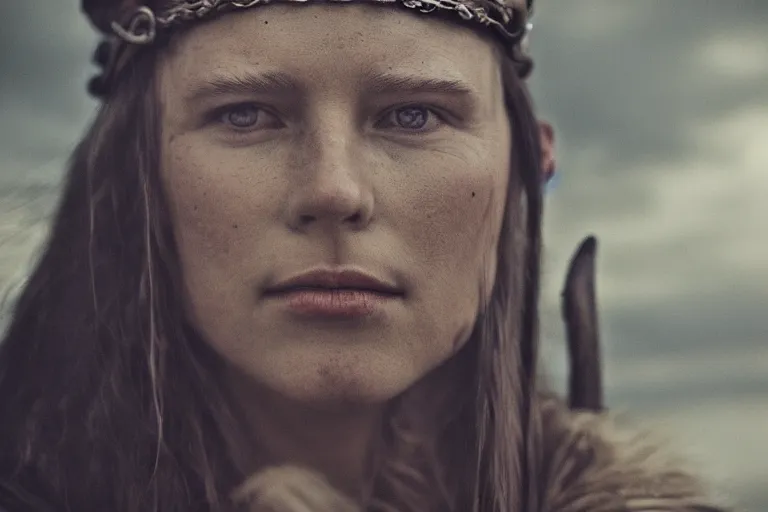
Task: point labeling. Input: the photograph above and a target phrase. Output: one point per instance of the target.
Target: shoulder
(592, 462)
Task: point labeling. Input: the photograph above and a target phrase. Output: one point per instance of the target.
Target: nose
(332, 189)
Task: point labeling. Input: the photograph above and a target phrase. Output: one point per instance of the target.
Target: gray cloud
(632, 87)
(45, 67)
(636, 87)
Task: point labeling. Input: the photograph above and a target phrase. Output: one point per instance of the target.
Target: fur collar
(590, 463)
(593, 463)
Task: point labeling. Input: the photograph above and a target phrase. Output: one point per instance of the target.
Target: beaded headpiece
(128, 26)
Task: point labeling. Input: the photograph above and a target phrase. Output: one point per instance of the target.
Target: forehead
(334, 44)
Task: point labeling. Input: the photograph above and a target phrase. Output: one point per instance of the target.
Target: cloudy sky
(661, 110)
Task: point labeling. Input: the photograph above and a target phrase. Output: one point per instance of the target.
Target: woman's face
(339, 138)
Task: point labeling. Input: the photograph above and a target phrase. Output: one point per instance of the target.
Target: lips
(328, 279)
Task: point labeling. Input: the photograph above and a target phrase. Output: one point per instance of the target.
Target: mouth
(276, 292)
(330, 281)
(334, 294)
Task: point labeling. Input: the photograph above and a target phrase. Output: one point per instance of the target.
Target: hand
(292, 489)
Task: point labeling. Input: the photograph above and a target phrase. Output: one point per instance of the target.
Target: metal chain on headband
(144, 25)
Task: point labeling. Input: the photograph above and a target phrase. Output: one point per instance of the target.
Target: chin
(336, 384)
(346, 390)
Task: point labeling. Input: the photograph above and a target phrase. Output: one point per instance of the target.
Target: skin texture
(327, 172)
(328, 177)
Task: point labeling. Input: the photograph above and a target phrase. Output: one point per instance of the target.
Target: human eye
(244, 117)
(412, 118)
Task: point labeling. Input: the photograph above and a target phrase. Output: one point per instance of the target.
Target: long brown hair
(109, 400)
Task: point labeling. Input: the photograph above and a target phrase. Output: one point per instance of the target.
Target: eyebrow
(275, 82)
(387, 83)
(272, 82)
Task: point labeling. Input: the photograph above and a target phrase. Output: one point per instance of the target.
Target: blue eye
(241, 116)
(245, 117)
(414, 118)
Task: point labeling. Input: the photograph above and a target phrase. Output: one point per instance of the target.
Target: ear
(548, 163)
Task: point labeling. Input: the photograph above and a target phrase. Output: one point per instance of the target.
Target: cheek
(194, 195)
(452, 229)
(219, 210)
(215, 197)
(455, 216)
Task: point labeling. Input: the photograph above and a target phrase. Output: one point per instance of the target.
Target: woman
(295, 267)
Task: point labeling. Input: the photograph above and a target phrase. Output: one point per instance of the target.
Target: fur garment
(590, 464)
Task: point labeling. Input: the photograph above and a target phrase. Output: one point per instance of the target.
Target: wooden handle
(579, 309)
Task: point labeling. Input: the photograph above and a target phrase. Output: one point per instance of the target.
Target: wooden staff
(579, 309)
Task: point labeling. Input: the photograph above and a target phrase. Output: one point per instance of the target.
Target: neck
(334, 440)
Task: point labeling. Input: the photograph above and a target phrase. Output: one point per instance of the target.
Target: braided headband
(507, 21)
